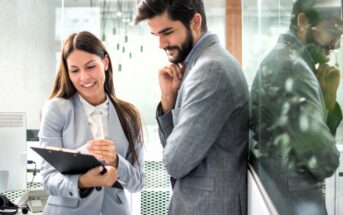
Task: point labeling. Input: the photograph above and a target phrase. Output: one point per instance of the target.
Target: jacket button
(70, 193)
(98, 188)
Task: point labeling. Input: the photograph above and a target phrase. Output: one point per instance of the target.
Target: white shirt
(97, 117)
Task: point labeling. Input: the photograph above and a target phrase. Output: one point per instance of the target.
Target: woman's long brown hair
(63, 88)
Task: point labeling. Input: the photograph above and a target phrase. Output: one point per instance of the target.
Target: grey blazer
(205, 137)
(64, 124)
(294, 144)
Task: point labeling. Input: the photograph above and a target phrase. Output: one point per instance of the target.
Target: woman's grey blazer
(64, 124)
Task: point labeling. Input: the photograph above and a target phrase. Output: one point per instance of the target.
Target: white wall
(27, 56)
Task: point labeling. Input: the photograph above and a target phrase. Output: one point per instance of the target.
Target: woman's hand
(104, 150)
(94, 178)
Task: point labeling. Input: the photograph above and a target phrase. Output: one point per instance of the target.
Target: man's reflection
(294, 110)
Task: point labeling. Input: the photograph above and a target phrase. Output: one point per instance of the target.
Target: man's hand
(170, 80)
(329, 78)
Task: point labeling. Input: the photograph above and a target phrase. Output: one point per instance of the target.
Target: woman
(83, 112)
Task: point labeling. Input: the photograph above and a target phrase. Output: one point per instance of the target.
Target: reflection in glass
(294, 113)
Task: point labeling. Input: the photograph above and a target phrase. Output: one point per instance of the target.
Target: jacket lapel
(199, 50)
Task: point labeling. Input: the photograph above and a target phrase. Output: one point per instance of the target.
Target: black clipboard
(67, 162)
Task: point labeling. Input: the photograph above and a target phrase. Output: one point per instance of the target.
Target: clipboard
(68, 161)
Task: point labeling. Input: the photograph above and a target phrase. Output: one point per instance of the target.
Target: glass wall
(295, 121)
(28, 56)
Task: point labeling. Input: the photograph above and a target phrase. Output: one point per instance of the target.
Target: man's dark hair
(314, 10)
(177, 10)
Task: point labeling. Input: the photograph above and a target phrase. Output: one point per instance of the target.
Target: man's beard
(316, 51)
(184, 50)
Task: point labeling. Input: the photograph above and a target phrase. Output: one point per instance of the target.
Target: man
(295, 113)
(203, 115)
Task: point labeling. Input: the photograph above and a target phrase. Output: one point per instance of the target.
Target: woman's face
(87, 73)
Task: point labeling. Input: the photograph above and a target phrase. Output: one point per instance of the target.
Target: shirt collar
(292, 38)
(89, 109)
(195, 46)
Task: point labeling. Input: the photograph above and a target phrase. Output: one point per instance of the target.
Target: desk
(14, 196)
(29, 213)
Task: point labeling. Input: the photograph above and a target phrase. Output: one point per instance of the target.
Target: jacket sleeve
(312, 137)
(165, 124)
(334, 118)
(132, 176)
(50, 134)
(206, 105)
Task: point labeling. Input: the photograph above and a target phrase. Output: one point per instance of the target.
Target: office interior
(32, 32)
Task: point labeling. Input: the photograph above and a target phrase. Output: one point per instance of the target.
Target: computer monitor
(12, 151)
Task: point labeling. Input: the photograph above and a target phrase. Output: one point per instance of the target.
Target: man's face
(174, 37)
(323, 38)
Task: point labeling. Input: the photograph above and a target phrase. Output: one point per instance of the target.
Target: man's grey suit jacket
(205, 137)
